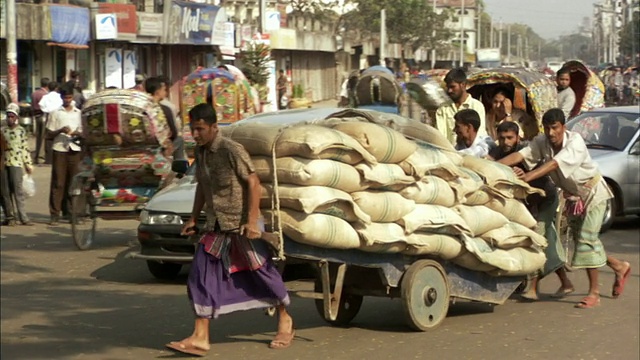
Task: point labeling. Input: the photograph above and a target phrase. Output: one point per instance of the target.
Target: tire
(610, 212)
(83, 221)
(164, 271)
(349, 307)
(425, 295)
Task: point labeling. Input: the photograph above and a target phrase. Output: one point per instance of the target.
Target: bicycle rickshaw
(587, 86)
(126, 139)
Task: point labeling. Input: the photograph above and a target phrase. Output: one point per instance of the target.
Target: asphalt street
(62, 303)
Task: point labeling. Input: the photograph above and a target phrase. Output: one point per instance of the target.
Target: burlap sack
(466, 184)
(305, 172)
(513, 210)
(513, 262)
(257, 139)
(480, 219)
(430, 190)
(315, 199)
(469, 261)
(385, 144)
(383, 206)
(428, 160)
(320, 230)
(434, 219)
(444, 246)
(380, 233)
(381, 176)
(514, 235)
(500, 179)
(478, 197)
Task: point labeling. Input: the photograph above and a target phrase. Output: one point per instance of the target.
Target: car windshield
(606, 130)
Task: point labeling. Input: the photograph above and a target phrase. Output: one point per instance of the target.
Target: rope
(276, 220)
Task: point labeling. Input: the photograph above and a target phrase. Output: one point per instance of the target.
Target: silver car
(611, 134)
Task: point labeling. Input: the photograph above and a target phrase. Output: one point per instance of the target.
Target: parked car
(161, 244)
(611, 134)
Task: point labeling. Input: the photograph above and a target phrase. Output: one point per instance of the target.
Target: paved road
(60, 303)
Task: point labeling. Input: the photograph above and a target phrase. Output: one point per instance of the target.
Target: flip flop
(562, 292)
(186, 349)
(283, 340)
(588, 302)
(618, 285)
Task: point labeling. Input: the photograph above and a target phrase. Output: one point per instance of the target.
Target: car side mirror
(635, 149)
(180, 166)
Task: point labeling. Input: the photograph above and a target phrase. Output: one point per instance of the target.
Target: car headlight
(147, 218)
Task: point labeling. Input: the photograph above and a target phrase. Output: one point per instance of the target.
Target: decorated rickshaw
(377, 89)
(531, 92)
(126, 143)
(587, 86)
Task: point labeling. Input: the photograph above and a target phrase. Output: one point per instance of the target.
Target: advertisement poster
(113, 68)
(106, 27)
(195, 23)
(129, 69)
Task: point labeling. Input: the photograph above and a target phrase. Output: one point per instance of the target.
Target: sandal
(283, 340)
(562, 292)
(588, 302)
(618, 285)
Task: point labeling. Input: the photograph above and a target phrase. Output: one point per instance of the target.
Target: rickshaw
(529, 91)
(230, 97)
(587, 86)
(126, 140)
(377, 89)
(429, 95)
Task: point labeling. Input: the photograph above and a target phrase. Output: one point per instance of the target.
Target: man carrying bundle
(564, 156)
(232, 269)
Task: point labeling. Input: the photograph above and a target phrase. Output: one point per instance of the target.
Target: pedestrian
(282, 89)
(50, 103)
(566, 95)
(232, 269)
(542, 207)
(456, 81)
(7, 211)
(157, 88)
(139, 80)
(40, 117)
(75, 84)
(468, 141)
(17, 161)
(64, 125)
(563, 155)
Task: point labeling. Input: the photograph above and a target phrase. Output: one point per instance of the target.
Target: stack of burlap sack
(382, 183)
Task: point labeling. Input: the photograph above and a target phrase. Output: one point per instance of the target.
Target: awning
(70, 26)
(68, 46)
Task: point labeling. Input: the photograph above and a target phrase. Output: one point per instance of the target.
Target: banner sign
(198, 24)
(70, 24)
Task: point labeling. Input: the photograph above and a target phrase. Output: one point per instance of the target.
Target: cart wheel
(564, 234)
(425, 295)
(349, 306)
(83, 220)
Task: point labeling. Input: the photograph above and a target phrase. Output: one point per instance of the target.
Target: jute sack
(320, 230)
(320, 142)
(384, 176)
(305, 172)
(380, 233)
(513, 262)
(500, 179)
(445, 246)
(434, 219)
(430, 190)
(478, 197)
(466, 184)
(428, 160)
(480, 219)
(315, 199)
(257, 139)
(469, 261)
(513, 210)
(514, 235)
(385, 144)
(383, 206)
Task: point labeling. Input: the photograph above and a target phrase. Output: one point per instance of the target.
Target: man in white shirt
(564, 156)
(49, 103)
(456, 81)
(468, 141)
(64, 125)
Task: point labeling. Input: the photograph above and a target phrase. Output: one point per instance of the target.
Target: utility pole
(12, 50)
(526, 48)
(383, 36)
(433, 37)
(491, 42)
(462, 34)
(479, 26)
(263, 16)
(509, 44)
(500, 39)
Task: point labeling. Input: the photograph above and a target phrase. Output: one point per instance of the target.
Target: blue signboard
(70, 24)
(196, 22)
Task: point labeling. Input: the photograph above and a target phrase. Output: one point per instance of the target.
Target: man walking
(40, 116)
(456, 81)
(64, 125)
(50, 103)
(232, 269)
(563, 155)
(16, 160)
(157, 88)
(281, 86)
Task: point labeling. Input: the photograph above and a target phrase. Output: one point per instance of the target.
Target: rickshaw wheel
(349, 306)
(564, 234)
(83, 220)
(425, 295)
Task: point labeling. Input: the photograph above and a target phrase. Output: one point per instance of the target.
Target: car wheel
(609, 213)
(164, 271)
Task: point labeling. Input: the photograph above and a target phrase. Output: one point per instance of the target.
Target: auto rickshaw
(587, 86)
(529, 91)
(126, 139)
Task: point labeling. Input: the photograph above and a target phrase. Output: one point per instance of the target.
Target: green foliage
(255, 59)
(298, 91)
(317, 10)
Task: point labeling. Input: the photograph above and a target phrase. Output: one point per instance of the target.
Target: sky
(548, 18)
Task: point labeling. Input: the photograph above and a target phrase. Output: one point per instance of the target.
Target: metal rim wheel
(425, 295)
(83, 220)
(349, 306)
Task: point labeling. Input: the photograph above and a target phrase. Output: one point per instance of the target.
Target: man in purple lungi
(232, 269)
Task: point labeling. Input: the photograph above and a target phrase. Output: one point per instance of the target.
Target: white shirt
(446, 123)
(61, 118)
(50, 102)
(479, 148)
(344, 92)
(575, 166)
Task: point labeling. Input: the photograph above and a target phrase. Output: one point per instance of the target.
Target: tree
(256, 68)
(629, 38)
(409, 22)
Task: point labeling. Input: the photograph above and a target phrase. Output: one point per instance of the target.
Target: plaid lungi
(588, 251)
